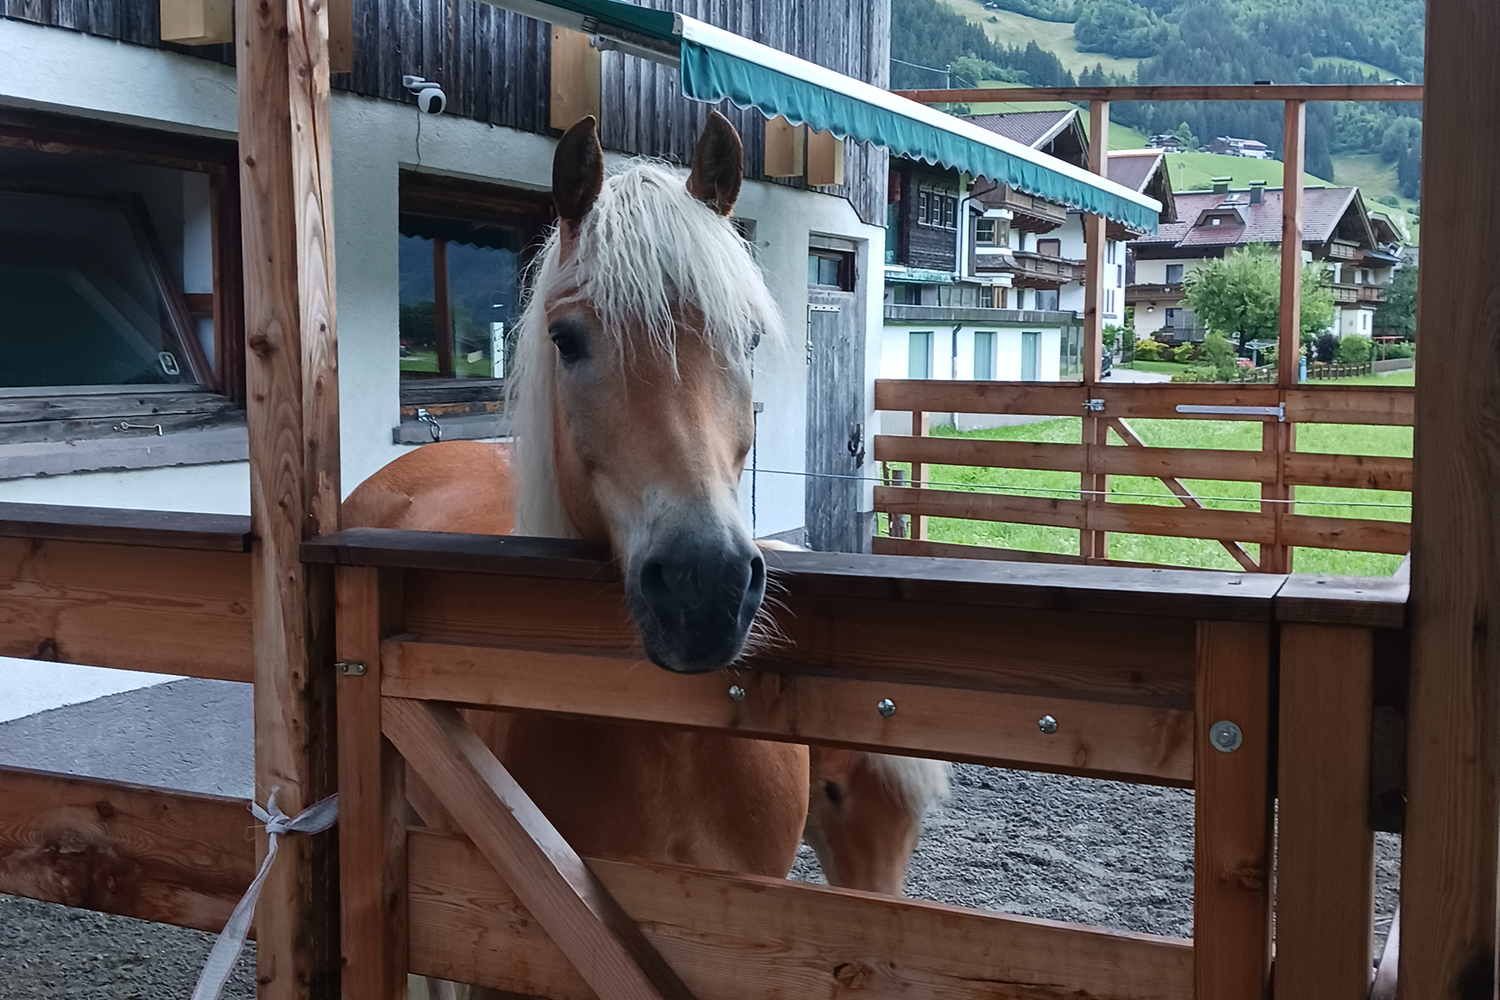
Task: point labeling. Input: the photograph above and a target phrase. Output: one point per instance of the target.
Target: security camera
(430, 97)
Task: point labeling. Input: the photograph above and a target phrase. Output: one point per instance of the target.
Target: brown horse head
(634, 411)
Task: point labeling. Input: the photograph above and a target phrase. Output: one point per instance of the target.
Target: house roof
(1134, 167)
(1326, 213)
(1031, 128)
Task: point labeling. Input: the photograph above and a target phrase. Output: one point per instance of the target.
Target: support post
(442, 309)
(372, 793)
(919, 428)
(1093, 543)
(1279, 438)
(1325, 854)
(1448, 861)
(292, 415)
(1232, 814)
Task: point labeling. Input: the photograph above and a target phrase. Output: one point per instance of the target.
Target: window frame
(991, 338)
(1180, 273)
(79, 428)
(844, 261)
(929, 336)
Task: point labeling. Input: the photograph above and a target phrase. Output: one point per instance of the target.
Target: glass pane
(80, 302)
(1031, 344)
(919, 362)
(984, 355)
(484, 291)
(418, 322)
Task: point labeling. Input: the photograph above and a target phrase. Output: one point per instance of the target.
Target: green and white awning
(717, 65)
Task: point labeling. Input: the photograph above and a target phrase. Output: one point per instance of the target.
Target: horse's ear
(577, 171)
(718, 165)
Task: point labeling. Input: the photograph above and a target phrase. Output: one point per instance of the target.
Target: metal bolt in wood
(351, 668)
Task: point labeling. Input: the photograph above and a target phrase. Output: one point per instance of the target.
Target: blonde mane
(648, 253)
(916, 781)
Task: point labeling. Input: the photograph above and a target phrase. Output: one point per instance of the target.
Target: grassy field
(1225, 495)
(1008, 28)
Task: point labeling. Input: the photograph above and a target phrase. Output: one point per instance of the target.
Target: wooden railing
(1277, 466)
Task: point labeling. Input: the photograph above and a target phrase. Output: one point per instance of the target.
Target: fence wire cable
(1061, 491)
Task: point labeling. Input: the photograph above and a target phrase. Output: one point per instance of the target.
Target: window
(830, 269)
(1174, 274)
(922, 199)
(1031, 356)
(1364, 276)
(984, 232)
(1171, 320)
(1049, 248)
(919, 355)
(1046, 300)
(987, 296)
(984, 354)
(1109, 251)
(119, 297)
(950, 213)
(462, 252)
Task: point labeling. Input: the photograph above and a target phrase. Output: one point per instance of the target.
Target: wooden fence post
(1325, 856)
(1280, 437)
(1232, 813)
(292, 413)
(919, 428)
(1094, 543)
(1448, 862)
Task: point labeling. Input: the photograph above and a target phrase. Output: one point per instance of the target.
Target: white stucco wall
(896, 339)
(50, 69)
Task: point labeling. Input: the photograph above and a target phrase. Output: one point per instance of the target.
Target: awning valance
(717, 65)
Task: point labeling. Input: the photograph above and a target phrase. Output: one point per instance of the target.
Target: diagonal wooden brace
(603, 943)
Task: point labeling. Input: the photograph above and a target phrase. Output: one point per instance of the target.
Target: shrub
(1326, 348)
(1197, 373)
(1354, 350)
(1219, 354)
(1147, 350)
(1169, 353)
(1403, 349)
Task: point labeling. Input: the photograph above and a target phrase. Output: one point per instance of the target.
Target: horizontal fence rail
(1274, 524)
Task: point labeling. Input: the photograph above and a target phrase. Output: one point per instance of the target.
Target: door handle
(857, 443)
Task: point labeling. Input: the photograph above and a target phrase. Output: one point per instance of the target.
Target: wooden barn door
(835, 421)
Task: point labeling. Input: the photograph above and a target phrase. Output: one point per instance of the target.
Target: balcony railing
(1031, 215)
(1372, 293)
(1034, 270)
(1152, 293)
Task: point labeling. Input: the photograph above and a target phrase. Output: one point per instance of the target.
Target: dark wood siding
(922, 244)
(495, 68)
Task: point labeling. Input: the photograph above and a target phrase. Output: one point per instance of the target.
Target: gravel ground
(1095, 852)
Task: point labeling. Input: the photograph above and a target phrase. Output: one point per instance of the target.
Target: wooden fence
(1277, 467)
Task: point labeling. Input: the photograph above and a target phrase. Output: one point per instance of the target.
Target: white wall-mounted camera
(430, 97)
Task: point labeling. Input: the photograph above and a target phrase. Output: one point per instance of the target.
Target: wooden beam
(603, 944)
(1448, 860)
(749, 938)
(1094, 543)
(1233, 812)
(1094, 737)
(372, 794)
(115, 526)
(1353, 533)
(1279, 439)
(958, 550)
(1380, 92)
(1325, 850)
(576, 78)
(171, 857)
(196, 22)
(292, 413)
(163, 610)
(825, 159)
(340, 36)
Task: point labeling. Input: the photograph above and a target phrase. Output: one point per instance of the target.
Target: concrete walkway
(1131, 375)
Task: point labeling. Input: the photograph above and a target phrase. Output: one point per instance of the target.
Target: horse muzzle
(694, 600)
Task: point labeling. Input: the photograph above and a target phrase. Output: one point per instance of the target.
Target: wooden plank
(576, 86)
(372, 795)
(785, 148)
(749, 938)
(196, 22)
(1325, 853)
(1093, 543)
(173, 611)
(1277, 441)
(825, 159)
(1095, 738)
(1183, 463)
(152, 528)
(1063, 399)
(604, 945)
(1142, 519)
(1365, 472)
(1450, 844)
(1373, 602)
(1289, 337)
(1233, 813)
(340, 36)
(1356, 533)
(980, 452)
(1387, 92)
(1351, 404)
(292, 413)
(155, 854)
(958, 550)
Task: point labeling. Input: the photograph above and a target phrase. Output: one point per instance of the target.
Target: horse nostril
(654, 580)
(757, 573)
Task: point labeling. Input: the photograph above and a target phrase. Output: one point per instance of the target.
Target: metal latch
(1095, 405)
(433, 427)
(126, 425)
(1278, 411)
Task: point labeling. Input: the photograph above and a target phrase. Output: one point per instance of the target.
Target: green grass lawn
(426, 361)
(1160, 367)
(1218, 494)
(1009, 28)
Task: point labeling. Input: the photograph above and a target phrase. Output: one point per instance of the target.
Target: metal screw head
(1047, 724)
(351, 668)
(886, 707)
(1225, 736)
(736, 693)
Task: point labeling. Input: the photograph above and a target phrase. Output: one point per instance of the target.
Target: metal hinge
(1278, 411)
(350, 668)
(1095, 405)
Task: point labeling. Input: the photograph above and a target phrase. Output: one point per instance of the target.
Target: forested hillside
(1199, 42)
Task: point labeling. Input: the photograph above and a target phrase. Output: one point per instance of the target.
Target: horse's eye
(755, 337)
(568, 341)
(834, 791)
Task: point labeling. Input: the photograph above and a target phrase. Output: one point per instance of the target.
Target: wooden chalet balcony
(1152, 293)
(1372, 293)
(1345, 294)
(1034, 270)
(1342, 250)
(1031, 214)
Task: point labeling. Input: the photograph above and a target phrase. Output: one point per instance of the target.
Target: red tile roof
(1322, 208)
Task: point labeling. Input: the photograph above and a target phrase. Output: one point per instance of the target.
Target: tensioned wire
(1061, 491)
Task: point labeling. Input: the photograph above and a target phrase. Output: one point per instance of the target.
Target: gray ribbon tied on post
(226, 951)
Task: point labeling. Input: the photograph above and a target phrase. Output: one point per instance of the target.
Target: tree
(1185, 137)
(1240, 295)
(1398, 313)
